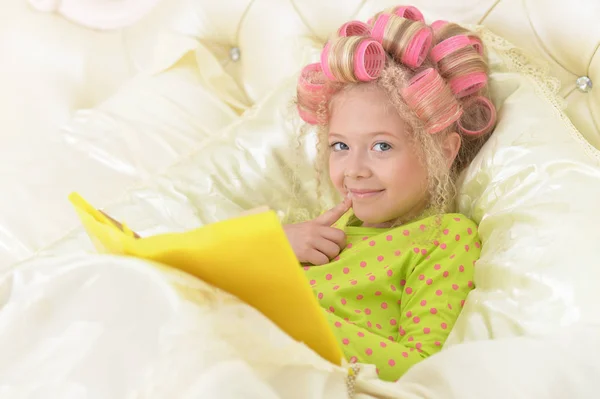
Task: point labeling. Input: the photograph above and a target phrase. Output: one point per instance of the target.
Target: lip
(363, 194)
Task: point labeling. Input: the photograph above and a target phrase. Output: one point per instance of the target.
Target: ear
(451, 146)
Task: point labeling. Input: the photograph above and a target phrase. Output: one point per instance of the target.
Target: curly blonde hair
(446, 92)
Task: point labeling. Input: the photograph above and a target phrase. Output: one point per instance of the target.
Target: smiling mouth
(364, 194)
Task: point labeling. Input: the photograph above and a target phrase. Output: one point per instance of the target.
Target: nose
(357, 165)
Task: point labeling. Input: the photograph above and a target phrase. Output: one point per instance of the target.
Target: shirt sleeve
(434, 291)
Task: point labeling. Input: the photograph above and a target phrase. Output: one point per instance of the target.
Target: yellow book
(248, 256)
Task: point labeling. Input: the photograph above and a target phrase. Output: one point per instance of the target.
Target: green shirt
(393, 295)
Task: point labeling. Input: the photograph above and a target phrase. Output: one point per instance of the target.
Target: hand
(315, 241)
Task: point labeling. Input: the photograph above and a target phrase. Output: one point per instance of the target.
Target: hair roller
(437, 25)
(409, 12)
(407, 41)
(354, 28)
(478, 118)
(461, 64)
(352, 59)
(311, 91)
(428, 95)
(443, 30)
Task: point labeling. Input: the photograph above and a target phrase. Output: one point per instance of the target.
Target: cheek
(407, 173)
(335, 171)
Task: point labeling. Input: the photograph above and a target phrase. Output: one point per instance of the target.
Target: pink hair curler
(409, 12)
(449, 46)
(491, 112)
(354, 28)
(466, 85)
(417, 48)
(428, 88)
(368, 62)
(477, 44)
(310, 92)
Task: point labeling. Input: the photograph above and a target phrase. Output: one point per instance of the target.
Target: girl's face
(372, 158)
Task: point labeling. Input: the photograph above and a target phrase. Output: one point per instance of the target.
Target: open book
(248, 256)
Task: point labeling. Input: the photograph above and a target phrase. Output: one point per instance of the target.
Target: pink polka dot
(457, 219)
(429, 281)
(443, 246)
(450, 306)
(336, 258)
(402, 283)
(359, 297)
(338, 324)
(378, 326)
(365, 238)
(369, 351)
(437, 266)
(419, 345)
(423, 252)
(331, 309)
(383, 344)
(436, 243)
(360, 334)
(454, 287)
(306, 268)
(421, 277)
(401, 331)
(392, 287)
(446, 231)
(367, 311)
(406, 232)
(369, 324)
(353, 282)
(477, 244)
(353, 359)
(328, 277)
(380, 258)
(346, 270)
(336, 287)
(405, 354)
(393, 322)
(469, 231)
(426, 330)
(444, 326)
(438, 343)
(384, 305)
(416, 250)
(462, 303)
(397, 253)
(409, 314)
(345, 341)
(408, 290)
(438, 292)
(343, 301)
(433, 310)
(389, 238)
(377, 293)
(423, 302)
(457, 237)
(372, 278)
(461, 268)
(313, 282)
(320, 295)
(391, 362)
(349, 245)
(363, 264)
(422, 227)
(390, 338)
(372, 243)
(470, 284)
(390, 273)
(446, 274)
(411, 339)
(467, 248)
(416, 320)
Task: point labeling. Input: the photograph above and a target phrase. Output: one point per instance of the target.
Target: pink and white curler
(409, 12)
(418, 47)
(490, 110)
(449, 46)
(437, 25)
(368, 61)
(354, 28)
(466, 85)
(310, 91)
(428, 95)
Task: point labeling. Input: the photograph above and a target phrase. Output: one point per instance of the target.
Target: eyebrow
(372, 134)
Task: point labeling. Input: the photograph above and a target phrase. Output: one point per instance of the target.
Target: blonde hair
(447, 92)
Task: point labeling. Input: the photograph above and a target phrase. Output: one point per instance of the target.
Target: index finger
(331, 216)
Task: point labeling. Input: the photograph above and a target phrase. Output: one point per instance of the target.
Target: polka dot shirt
(393, 295)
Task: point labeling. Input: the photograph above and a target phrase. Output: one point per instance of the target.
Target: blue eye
(339, 146)
(381, 147)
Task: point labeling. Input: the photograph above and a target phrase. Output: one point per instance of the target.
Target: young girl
(403, 109)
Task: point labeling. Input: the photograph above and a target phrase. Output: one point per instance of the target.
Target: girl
(403, 108)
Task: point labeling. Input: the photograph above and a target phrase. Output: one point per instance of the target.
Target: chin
(371, 219)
